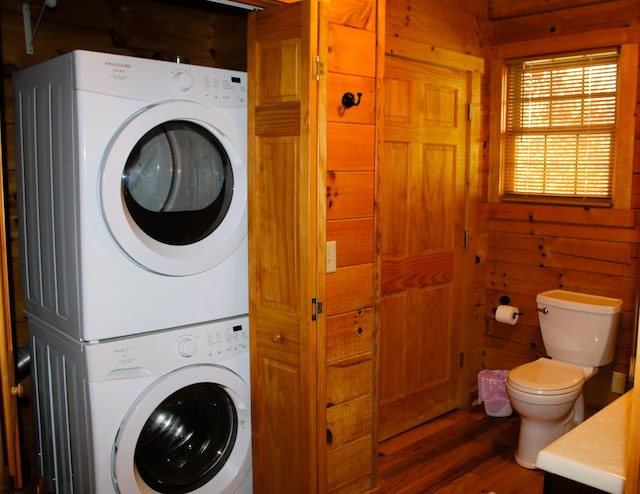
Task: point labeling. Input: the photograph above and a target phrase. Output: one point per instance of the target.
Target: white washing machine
(132, 193)
(165, 412)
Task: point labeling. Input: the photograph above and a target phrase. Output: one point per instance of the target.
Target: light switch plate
(331, 257)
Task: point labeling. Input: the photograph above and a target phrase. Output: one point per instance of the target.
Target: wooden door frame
(8, 389)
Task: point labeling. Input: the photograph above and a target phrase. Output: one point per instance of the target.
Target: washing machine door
(173, 187)
(190, 431)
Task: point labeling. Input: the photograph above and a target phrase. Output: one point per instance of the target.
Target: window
(560, 128)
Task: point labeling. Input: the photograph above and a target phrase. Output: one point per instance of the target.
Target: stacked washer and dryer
(132, 201)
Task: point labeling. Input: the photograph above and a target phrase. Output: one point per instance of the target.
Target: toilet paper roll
(507, 314)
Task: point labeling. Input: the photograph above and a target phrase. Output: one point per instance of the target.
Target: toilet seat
(546, 377)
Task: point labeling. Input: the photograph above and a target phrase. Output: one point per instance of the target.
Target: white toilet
(579, 334)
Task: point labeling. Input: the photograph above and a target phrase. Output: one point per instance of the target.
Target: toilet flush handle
(543, 310)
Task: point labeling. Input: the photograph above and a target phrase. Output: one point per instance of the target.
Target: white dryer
(165, 412)
(132, 193)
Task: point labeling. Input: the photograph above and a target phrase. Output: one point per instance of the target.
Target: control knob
(187, 347)
(182, 80)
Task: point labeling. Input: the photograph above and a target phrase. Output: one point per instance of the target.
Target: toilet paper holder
(505, 300)
(495, 309)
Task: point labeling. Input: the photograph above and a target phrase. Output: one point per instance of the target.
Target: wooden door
(423, 208)
(8, 389)
(286, 236)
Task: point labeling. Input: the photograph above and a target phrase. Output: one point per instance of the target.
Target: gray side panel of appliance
(46, 187)
(63, 428)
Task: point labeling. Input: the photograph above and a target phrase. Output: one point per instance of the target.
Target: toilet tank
(577, 327)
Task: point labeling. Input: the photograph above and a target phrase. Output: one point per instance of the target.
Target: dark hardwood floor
(465, 452)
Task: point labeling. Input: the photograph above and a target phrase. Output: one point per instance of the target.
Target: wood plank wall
(351, 67)
(527, 249)
(522, 250)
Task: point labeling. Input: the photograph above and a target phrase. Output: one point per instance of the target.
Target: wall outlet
(618, 383)
(332, 263)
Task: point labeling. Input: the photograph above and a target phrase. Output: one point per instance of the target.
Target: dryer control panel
(128, 77)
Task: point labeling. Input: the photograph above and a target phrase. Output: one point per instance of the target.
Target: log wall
(522, 250)
(350, 391)
(527, 249)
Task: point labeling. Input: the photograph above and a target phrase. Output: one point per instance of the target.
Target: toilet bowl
(579, 332)
(548, 397)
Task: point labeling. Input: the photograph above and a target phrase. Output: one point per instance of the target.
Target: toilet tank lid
(583, 302)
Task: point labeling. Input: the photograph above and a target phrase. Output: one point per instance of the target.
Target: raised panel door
(286, 234)
(423, 204)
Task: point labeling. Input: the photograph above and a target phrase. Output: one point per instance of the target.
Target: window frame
(625, 120)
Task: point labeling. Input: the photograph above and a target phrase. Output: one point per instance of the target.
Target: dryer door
(173, 187)
(190, 431)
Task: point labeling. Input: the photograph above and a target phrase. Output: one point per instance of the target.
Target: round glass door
(173, 189)
(189, 432)
(178, 183)
(187, 439)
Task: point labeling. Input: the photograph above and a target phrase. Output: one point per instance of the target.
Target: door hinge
(466, 239)
(318, 68)
(469, 111)
(461, 360)
(316, 309)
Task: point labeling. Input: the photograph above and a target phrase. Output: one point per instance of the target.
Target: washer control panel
(160, 352)
(221, 342)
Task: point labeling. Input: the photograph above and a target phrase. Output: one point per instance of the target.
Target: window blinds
(560, 128)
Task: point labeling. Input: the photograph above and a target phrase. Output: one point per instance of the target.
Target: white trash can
(492, 391)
